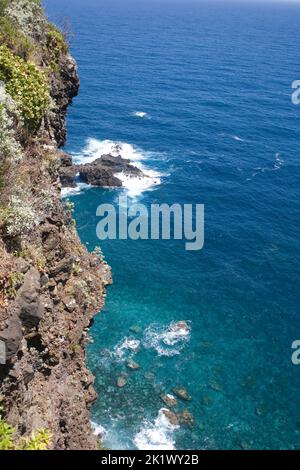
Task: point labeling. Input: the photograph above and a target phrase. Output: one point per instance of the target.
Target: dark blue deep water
(215, 82)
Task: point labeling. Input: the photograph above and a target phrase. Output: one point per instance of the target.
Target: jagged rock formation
(101, 172)
(50, 286)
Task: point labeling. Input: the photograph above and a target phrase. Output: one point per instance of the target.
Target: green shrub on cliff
(14, 39)
(6, 436)
(27, 85)
(3, 6)
(39, 440)
(54, 47)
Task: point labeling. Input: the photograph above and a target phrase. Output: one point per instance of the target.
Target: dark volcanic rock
(67, 171)
(28, 301)
(63, 87)
(117, 164)
(101, 172)
(66, 159)
(12, 337)
(67, 176)
(98, 176)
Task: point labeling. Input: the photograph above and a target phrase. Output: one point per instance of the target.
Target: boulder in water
(171, 417)
(121, 381)
(182, 393)
(169, 400)
(186, 418)
(132, 365)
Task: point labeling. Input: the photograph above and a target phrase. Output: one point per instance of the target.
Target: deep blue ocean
(214, 80)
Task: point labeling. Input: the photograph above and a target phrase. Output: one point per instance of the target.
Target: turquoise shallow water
(215, 82)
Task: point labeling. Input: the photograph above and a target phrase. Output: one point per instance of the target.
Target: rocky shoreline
(102, 172)
(51, 287)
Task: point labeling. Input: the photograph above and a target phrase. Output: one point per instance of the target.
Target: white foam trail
(67, 192)
(98, 430)
(137, 184)
(167, 341)
(157, 435)
(95, 148)
(237, 138)
(279, 162)
(126, 345)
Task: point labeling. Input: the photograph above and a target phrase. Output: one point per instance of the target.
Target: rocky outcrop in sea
(102, 172)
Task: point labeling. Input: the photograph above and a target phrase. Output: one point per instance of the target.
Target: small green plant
(39, 440)
(3, 6)
(27, 85)
(13, 283)
(6, 436)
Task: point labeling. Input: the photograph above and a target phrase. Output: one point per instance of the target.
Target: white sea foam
(135, 185)
(95, 148)
(278, 163)
(237, 138)
(167, 341)
(140, 114)
(98, 430)
(156, 436)
(127, 345)
(67, 192)
(234, 137)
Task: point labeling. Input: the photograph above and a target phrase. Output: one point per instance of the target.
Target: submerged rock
(245, 445)
(180, 326)
(206, 400)
(169, 400)
(135, 329)
(186, 418)
(132, 365)
(261, 409)
(182, 393)
(149, 376)
(248, 382)
(215, 386)
(122, 381)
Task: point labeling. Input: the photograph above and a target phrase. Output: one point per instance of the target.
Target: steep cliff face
(50, 286)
